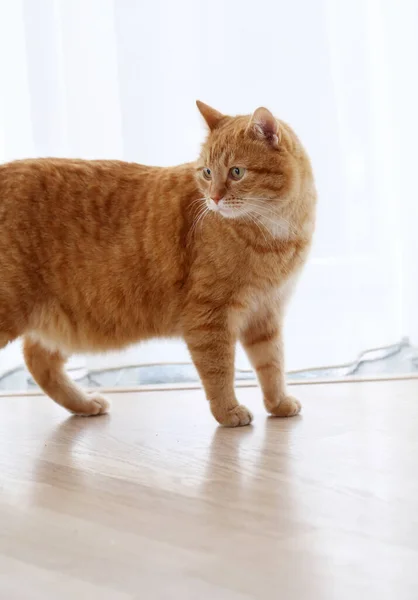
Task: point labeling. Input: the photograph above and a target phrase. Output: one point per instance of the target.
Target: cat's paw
(94, 404)
(236, 417)
(287, 407)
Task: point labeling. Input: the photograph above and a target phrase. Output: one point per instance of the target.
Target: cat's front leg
(263, 343)
(213, 351)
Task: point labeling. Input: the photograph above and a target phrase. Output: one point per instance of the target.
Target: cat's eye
(237, 173)
(207, 173)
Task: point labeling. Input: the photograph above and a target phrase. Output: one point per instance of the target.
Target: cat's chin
(228, 213)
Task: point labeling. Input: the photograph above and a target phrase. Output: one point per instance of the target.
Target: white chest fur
(262, 303)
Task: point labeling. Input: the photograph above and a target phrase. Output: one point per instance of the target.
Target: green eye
(207, 173)
(236, 173)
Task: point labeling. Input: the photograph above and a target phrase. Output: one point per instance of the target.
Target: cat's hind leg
(47, 368)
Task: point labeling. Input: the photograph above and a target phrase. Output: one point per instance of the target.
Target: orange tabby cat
(95, 255)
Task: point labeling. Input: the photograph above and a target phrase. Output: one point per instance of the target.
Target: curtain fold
(118, 79)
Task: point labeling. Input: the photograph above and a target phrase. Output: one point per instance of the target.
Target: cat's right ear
(211, 116)
(265, 126)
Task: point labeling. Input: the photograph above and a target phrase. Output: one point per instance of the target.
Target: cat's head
(253, 168)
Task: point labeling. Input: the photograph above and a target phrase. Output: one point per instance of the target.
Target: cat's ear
(265, 126)
(211, 116)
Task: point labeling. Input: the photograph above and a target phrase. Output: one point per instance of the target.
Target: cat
(99, 254)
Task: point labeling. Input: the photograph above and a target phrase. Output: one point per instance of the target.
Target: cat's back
(56, 212)
(60, 200)
(88, 205)
(42, 180)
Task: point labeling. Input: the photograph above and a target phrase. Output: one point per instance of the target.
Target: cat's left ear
(265, 126)
(211, 116)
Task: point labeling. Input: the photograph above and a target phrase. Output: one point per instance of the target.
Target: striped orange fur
(96, 255)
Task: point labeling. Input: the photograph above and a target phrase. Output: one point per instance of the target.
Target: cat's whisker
(253, 220)
(257, 220)
(267, 211)
(277, 224)
(260, 200)
(273, 227)
(202, 210)
(263, 212)
(277, 220)
(276, 216)
(205, 214)
(260, 203)
(266, 199)
(196, 200)
(199, 219)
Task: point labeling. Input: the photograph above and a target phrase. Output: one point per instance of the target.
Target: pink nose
(216, 198)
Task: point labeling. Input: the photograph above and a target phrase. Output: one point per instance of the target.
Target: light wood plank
(156, 501)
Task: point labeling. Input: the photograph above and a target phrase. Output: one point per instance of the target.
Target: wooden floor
(157, 502)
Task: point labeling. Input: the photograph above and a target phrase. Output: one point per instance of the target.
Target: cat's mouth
(228, 212)
(225, 209)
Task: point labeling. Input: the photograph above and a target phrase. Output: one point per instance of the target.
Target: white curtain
(118, 78)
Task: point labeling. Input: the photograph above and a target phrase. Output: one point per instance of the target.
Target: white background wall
(107, 78)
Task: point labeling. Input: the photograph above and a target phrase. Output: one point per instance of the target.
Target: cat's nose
(216, 198)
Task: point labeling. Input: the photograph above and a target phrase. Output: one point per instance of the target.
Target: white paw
(95, 404)
(286, 407)
(237, 417)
